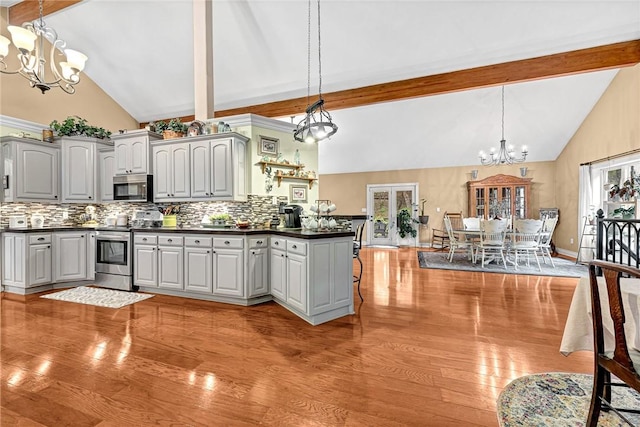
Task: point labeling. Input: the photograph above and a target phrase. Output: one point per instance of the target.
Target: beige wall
(612, 127)
(20, 100)
(444, 188)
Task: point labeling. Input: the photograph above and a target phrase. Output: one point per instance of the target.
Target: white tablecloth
(578, 331)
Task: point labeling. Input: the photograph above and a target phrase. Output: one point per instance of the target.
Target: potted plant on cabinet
(405, 224)
(174, 129)
(77, 126)
(424, 219)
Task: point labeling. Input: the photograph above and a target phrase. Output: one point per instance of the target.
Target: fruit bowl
(242, 224)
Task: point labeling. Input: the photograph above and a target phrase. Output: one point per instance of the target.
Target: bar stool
(357, 245)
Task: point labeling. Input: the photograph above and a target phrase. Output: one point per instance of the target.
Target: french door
(383, 204)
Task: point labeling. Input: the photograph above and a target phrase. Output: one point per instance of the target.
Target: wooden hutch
(498, 196)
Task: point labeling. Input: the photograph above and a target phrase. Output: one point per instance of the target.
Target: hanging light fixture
(29, 41)
(317, 124)
(504, 155)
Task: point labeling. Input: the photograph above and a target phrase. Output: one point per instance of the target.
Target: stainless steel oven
(133, 188)
(114, 268)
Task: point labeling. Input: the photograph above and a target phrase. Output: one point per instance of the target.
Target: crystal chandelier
(317, 124)
(29, 41)
(504, 155)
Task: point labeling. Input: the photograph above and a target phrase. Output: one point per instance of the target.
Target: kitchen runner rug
(563, 267)
(97, 296)
(558, 399)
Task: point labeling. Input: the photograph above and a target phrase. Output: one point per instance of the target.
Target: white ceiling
(140, 53)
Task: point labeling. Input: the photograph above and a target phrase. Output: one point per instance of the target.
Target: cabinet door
(91, 256)
(240, 171)
(145, 266)
(36, 172)
(139, 154)
(170, 264)
(39, 264)
(228, 277)
(122, 153)
(106, 165)
(181, 171)
(162, 173)
(78, 171)
(200, 169)
(278, 273)
(14, 263)
(258, 272)
(198, 265)
(221, 173)
(297, 282)
(70, 256)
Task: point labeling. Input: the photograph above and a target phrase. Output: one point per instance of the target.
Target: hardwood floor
(426, 348)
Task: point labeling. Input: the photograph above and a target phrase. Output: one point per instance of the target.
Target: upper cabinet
(214, 168)
(79, 169)
(30, 170)
(132, 152)
(499, 196)
(106, 171)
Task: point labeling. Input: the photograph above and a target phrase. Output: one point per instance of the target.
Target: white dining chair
(525, 240)
(492, 236)
(456, 243)
(548, 227)
(471, 223)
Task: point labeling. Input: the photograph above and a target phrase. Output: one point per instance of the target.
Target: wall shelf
(298, 178)
(264, 165)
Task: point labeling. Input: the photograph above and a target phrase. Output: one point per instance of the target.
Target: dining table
(578, 329)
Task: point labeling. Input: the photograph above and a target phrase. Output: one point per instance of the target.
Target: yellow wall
(612, 127)
(444, 188)
(20, 100)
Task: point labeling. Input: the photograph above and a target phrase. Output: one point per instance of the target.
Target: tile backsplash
(257, 209)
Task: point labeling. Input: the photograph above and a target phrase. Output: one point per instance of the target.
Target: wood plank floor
(426, 348)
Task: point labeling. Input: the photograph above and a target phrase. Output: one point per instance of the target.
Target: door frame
(393, 188)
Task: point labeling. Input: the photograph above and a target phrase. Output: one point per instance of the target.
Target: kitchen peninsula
(307, 272)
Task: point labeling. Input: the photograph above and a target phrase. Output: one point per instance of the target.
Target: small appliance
(292, 216)
(18, 221)
(37, 221)
(133, 188)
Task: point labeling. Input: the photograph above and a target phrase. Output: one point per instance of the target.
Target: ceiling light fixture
(29, 41)
(504, 155)
(317, 124)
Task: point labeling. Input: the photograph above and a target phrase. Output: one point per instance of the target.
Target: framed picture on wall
(268, 146)
(297, 193)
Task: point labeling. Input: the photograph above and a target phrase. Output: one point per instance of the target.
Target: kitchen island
(308, 272)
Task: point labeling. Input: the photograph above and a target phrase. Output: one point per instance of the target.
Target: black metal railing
(618, 240)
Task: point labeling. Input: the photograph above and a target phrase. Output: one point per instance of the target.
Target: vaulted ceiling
(141, 53)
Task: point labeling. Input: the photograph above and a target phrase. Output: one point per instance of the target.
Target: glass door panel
(383, 204)
(379, 199)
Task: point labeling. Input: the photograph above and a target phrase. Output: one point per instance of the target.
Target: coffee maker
(292, 216)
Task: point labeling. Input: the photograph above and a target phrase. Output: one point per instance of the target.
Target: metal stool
(357, 244)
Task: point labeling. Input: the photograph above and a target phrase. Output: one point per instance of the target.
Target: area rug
(563, 267)
(558, 399)
(98, 296)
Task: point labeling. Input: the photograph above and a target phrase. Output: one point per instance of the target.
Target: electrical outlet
(437, 209)
(571, 240)
(65, 215)
(364, 210)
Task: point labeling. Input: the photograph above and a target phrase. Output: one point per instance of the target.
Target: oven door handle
(113, 238)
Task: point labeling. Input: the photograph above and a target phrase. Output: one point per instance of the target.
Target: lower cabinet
(40, 264)
(228, 272)
(70, 261)
(278, 273)
(258, 269)
(170, 264)
(198, 263)
(145, 265)
(297, 281)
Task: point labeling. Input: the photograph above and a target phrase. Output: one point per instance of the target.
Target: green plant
(405, 223)
(174, 124)
(625, 212)
(75, 126)
(220, 217)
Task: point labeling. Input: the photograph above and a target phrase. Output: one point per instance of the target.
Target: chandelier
(29, 41)
(504, 155)
(316, 124)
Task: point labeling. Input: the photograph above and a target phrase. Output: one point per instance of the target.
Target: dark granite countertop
(359, 216)
(46, 229)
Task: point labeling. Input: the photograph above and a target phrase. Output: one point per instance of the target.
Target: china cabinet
(499, 196)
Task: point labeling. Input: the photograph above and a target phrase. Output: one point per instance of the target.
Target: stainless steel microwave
(133, 188)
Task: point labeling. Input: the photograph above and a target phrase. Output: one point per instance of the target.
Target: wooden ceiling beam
(598, 58)
(29, 10)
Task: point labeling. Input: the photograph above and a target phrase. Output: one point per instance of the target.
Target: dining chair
(357, 245)
(492, 236)
(548, 227)
(525, 240)
(440, 237)
(455, 242)
(623, 363)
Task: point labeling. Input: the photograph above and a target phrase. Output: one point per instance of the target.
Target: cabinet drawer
(198, 241)
(145, 239)
(170, 240)
(296, 247)
(35, 239)
(279, 243)
(228, 242)
(260, 242)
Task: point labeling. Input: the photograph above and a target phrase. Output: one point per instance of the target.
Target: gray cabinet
(132, 152)
(79, 167)
(228, 266)
(70, 260)
(106, 171)
(171, 172)
(40, 264)
(201, 170)
(258, 267)
(297, 281)
(14, 260)
(32, 170)
(198, 264)
(145, 265)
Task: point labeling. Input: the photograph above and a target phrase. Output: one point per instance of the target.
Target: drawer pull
(40, 239)
(294, 247)
(197, 242)
(226, 242)
(144, 239)
(259, 242)
(169, 240)
(276, 243)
